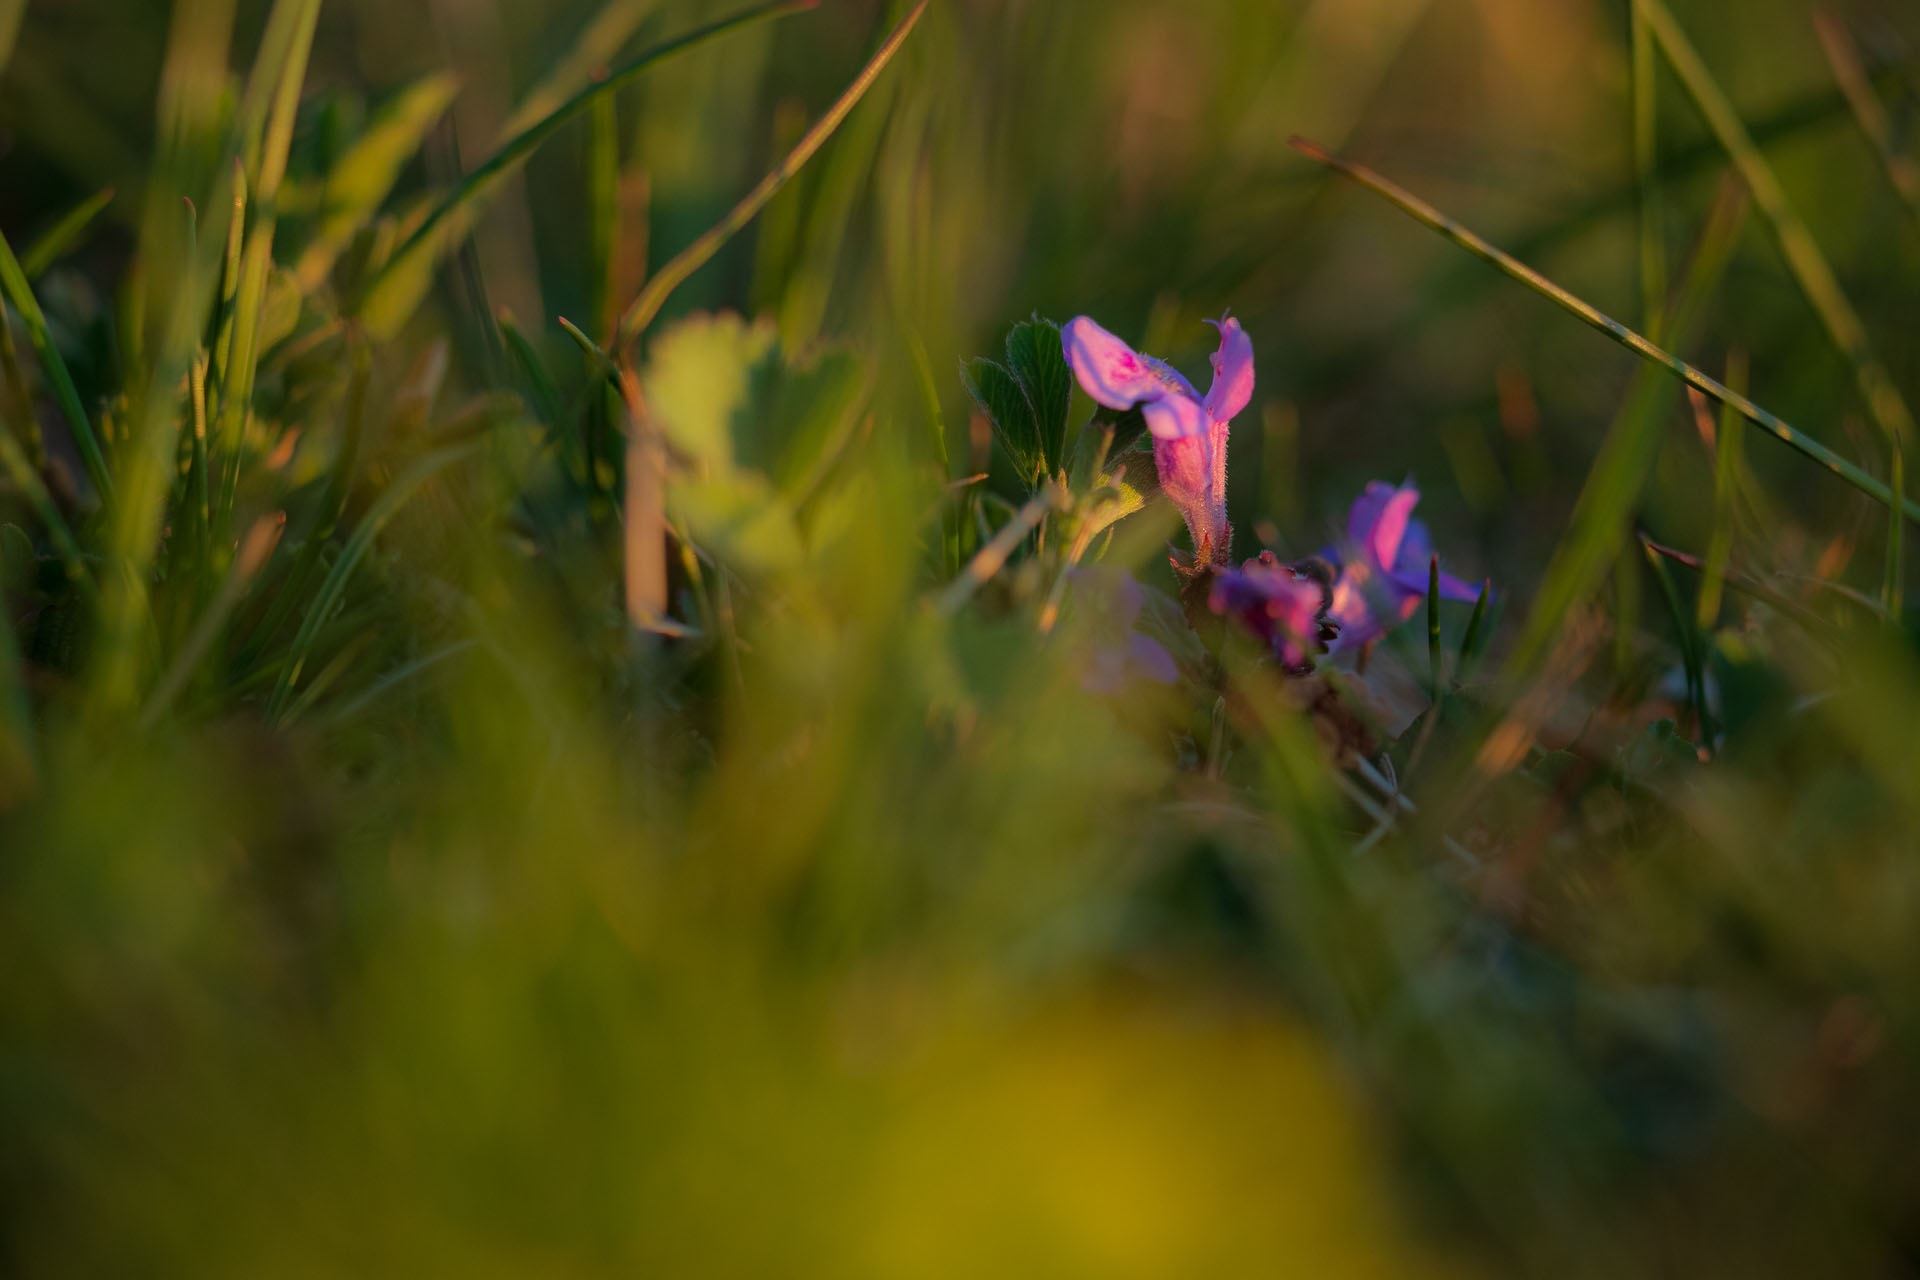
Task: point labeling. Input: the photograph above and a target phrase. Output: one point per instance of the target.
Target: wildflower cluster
(1375, 580)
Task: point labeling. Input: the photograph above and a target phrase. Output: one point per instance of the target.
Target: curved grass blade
(1727, 453)
(516, 149)
(355, 550)
(59, 239)
(1791, 436)
(1689, 643)
(13, 281)
(1809, 266)
(696, 255)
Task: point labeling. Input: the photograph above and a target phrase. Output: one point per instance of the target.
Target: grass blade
(1751, 587)
(1689, 643)
(63, 235)
(1470, 642)
(1809, 266)
(1729, 440)
(1512, 267)
(694, 256)
(1868, 111)
(1653, 256)
(335, 584)
(256, 262)
(13, 281)
(359, 184)
(516, 149)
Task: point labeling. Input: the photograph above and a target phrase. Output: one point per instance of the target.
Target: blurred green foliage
(376, 897)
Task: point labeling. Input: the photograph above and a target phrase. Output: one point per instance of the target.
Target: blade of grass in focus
(1808, 264)
(690, 259)
(514, 152)
(1868, 111)
(1517, 270)
(61, 238)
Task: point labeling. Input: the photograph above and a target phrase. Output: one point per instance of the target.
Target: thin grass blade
(1729, 442)
(1646, 159)
(1808, 264)
(13, 281)
(1689, 643)
(1512, 267)
(1868, 111)
(515, 150)
(690, 259)
(60, 239)
(334, 584)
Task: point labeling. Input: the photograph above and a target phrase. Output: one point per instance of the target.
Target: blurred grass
(375, 898)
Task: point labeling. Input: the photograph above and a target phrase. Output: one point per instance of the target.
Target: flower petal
(1109, 370)
(1384, 539)
(1175, 417)
(1232, 371)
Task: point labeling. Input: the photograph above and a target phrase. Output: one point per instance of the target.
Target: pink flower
(1189, 430)
(1384, 566)
(1284, 605)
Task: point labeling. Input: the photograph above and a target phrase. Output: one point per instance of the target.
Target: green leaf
(752, 434)
(1001, 398)
(1038, 361)
(699, 386)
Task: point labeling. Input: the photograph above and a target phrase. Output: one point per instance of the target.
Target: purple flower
(1285, 605)
(1189, 430)
(1384, 566)
(1123, 655)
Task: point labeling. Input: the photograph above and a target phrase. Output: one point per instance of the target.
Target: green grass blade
(1756, 589)
(13, 281)
(1470, 642)
(1653, 256)
(690, 259)
(1512, 267)
(1689, 642)
(19, 469)
(360, 183)
(514, 152)
(335, 583)
(59, 239)
(1868, 111)
(1729, 442)
(1804, 259)
(256, 262)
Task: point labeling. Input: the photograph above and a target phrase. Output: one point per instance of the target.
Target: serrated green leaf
(1001, 398)
(700, 384)
(1039, 362)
